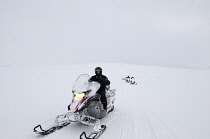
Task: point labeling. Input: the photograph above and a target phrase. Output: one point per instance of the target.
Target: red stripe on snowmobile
(79, 104)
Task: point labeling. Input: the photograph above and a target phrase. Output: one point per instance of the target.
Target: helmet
(98, 70)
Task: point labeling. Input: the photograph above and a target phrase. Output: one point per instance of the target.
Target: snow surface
(167, 103)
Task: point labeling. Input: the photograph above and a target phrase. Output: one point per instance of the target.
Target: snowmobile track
(150, 125)
(121, 127)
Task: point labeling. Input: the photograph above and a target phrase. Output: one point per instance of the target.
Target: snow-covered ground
(167, 103)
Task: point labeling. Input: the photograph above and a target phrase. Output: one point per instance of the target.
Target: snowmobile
(85, 107)
(127, 79)
(132, 80)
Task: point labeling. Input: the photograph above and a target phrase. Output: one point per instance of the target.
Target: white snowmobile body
(86, 105)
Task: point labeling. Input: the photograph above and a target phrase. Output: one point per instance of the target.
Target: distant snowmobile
(132, 80)
(85, 107)
(127, 79)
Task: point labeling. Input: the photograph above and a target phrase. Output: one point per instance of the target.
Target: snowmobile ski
(93, 135)
(50, 130)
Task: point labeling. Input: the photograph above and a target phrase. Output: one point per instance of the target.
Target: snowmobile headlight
(79, 96)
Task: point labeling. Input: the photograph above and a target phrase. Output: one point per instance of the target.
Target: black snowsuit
(103, 80)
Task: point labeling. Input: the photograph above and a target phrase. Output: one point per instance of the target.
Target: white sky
(146, 32)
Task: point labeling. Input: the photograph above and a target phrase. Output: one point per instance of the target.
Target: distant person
(127, 79)
(103, 80)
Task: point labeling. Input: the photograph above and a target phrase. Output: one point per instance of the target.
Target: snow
(167, 103)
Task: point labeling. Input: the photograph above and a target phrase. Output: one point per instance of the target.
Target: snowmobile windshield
(82, 84)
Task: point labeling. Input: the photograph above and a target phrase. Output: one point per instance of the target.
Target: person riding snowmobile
(103, 80)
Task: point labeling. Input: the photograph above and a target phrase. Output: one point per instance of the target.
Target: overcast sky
(147, 32)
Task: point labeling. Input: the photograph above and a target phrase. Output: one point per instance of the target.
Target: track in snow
(167, 103)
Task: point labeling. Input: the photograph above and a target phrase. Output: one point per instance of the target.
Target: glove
(89, 80)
